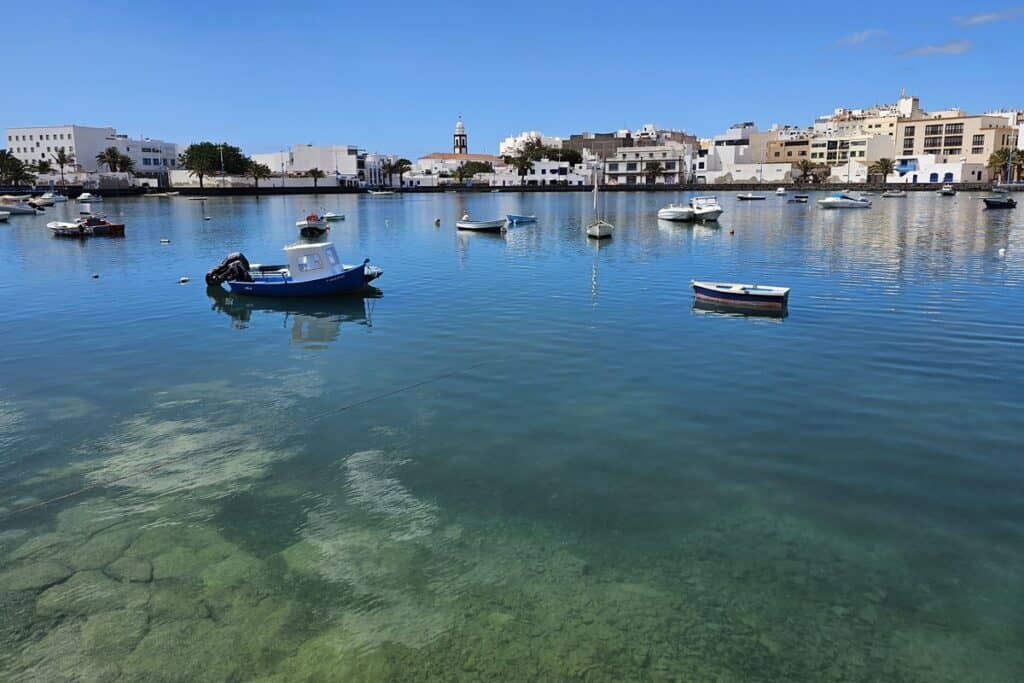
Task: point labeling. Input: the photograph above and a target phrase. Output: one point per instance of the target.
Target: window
(977, 150)
(954, 128)
(935, 129)
(670, 165)
(978, 140)
(613, 167)
(908, 143)
(953, 140)
(310, 262)
(631, 166)
(932, 142)
(778, 154)
(145, 161)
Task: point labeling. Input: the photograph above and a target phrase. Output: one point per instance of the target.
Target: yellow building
(955, 136)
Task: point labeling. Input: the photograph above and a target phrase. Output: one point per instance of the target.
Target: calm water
(528, 458)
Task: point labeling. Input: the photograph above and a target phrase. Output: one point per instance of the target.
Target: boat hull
(672, 213)
(354, 279)
(999, 203)
(518, 220)
(482, 226)
(745, 298)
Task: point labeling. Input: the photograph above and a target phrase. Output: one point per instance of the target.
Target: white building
(40, 143)
(337, 160)
(629, 165)
(738, 156)
(934, 168)
(864, 147)
(514, 144)
(543, 172)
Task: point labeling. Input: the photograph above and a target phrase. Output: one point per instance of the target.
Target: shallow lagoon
(528, 458)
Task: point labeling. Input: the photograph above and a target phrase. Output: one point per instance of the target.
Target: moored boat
(16, 205)
(312, 226)
(799, 199)
(466, 223)
(750, 197)
(676, 212)
(706, 208)
(599, 229)
(331, 216)
(4, 215)
(54, 197)
(999, 202)
(947, 190)
(89, 226)
(42, 201)
(892, 194)
(312, 270)
(740, 295)
(842, 200)
(380, 192)
(89, 197)
(520, 219)
(780, 191)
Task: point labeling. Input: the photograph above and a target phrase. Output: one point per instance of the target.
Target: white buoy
(1002, 251)
(182, 280)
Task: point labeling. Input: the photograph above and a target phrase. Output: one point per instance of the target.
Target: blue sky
(392, 77)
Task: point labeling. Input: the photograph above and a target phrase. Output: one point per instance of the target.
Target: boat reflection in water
(724, 310)
(314, 322)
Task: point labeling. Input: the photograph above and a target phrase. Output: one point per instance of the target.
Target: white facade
(737, 156)
(338, 160)
(544, 172)
(514, 144)
(864, 147)
(933, 168)
(39, 143)
(629, 164)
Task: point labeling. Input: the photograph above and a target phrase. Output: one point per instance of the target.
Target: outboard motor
(235, 267)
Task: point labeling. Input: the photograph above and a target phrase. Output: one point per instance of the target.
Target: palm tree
(806, 168)
(62, 159)
(125, 164)
(257, 171)
(387, 169)
(882, 167)
(522, 164)
(316, 174)
(20, 175)
(999, 160)
(43, 167)
(652, 171)
(110, 157)
(402, 166)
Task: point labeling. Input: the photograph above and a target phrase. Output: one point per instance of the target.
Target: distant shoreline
(768, 188)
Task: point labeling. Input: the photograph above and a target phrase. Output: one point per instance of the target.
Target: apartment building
(40, 143)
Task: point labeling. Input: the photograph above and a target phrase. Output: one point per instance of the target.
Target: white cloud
(989, 17)
(861, 37)
(954, 47)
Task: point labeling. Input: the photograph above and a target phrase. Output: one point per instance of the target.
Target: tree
(13, 170)
(522, 164)
(882, 167)
(200, 159)
(43, 167)
(316, 174)
(387, 170)
(652, 171)
(125, 164)
(471, 168)
(999, 160)
(62, 159)
(806, 168)
(257, 171)
(402, 166)
(110, 157)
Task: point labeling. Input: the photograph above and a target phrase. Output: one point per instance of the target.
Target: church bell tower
(460, 142)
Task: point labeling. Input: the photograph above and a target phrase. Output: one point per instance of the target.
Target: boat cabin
(312, 261)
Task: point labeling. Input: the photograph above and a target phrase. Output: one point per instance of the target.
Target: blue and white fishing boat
(312, 270)
(743, 296)
(842, 200)
(519, 219)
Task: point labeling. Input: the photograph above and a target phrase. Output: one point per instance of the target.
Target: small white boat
(380, 192)
(780, 191)
(599, 229)
(891, 194)
(89, 197)
(466, 223)
(43, 200)
(741, 296)
(947, 190)
(706, 208)
(750, 197)
(799, 199)
(16, 206)
(332, 216)
(676, 212)
(841, 200)
(4, 215)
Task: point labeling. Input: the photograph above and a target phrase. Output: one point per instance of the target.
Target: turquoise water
(527, 457)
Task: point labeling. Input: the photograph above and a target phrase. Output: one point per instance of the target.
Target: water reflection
(725, 311)
(314, 323)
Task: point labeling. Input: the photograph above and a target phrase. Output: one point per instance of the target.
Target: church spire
(460, 143)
